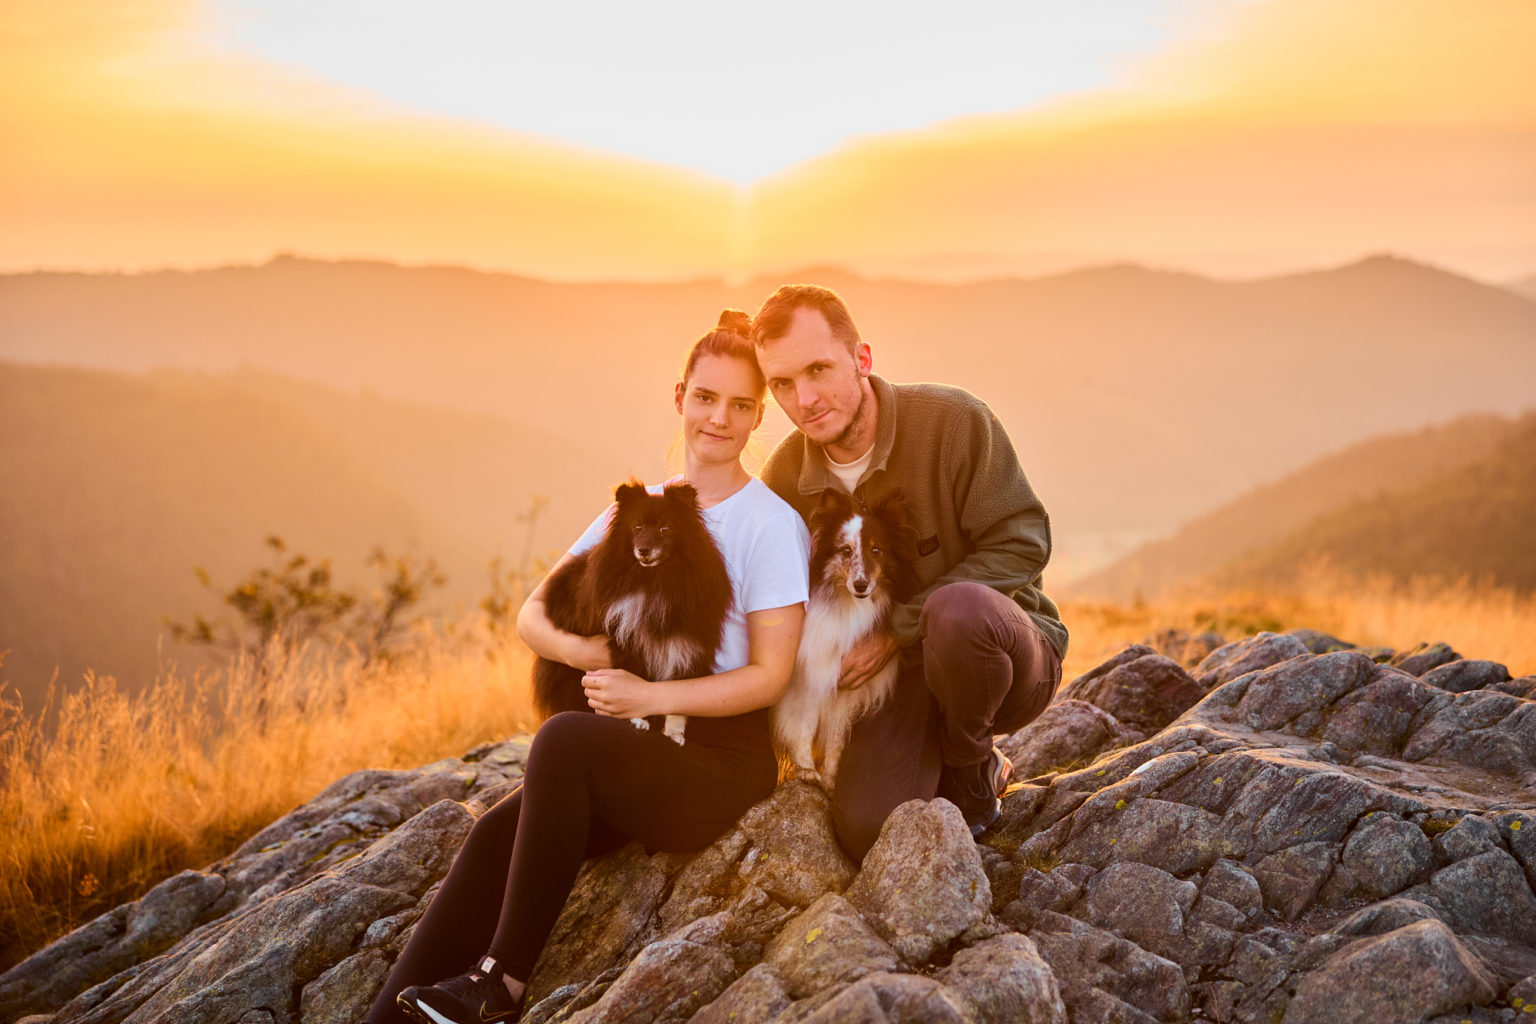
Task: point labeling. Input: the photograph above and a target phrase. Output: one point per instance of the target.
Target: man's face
(815, 379)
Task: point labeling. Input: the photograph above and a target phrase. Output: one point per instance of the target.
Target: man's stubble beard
(856, 421)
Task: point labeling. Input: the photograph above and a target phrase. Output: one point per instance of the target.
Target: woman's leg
(585, 772)
(459, 922)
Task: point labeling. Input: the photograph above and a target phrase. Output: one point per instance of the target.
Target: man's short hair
(778, 310)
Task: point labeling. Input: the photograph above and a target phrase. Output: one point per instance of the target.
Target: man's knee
(955, 608)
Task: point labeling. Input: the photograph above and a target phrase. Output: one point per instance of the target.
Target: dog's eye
(874, 549)
(665, 529)
(637, 527)
(845, 550)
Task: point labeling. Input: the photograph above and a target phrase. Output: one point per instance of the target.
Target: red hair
(778, 311)
(732, 337)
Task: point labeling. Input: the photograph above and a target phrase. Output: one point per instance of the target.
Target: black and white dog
(656, 584)
(863, 563)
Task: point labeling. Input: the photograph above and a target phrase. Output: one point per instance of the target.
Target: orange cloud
(131, 147)
(1295, 132)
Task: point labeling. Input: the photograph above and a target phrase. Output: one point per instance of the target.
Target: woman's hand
(620, 694)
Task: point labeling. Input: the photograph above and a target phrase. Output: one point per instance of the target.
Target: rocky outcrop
(1290, 830)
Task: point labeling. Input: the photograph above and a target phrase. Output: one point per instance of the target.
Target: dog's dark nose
(860, 587)
(645, 555)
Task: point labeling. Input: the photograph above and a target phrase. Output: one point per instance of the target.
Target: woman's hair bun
(735, 321)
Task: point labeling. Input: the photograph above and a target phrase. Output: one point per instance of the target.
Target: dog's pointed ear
(683, 494)
(891, 510)
(892, 507)
(629, 490)
(835, 506)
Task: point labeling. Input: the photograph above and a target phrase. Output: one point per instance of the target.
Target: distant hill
(1475, 520)
(1274, 511)
(1138, 398)
(117, 485)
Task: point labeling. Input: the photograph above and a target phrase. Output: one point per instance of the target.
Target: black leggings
(592, 784)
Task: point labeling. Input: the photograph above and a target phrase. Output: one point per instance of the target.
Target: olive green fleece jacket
(976, 516)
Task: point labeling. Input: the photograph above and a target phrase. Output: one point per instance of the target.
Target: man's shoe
(976, 789)
(474, 998)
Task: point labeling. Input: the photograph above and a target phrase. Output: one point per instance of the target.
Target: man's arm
(999, 512)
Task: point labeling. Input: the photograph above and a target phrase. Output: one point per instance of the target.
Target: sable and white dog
(863, 563)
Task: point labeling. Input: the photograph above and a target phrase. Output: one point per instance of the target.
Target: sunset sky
(1229, 137)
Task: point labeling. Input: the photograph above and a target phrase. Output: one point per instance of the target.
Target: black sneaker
(478, 997)
(976, 788)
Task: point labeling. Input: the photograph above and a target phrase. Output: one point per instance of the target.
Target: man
(981, 645)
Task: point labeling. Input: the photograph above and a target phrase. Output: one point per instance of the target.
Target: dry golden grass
(105, 794)
(1478, 620)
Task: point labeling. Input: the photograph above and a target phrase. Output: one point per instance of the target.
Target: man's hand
(864, 659)
(620, 694)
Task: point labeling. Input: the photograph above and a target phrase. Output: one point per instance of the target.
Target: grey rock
(756, 997)
(1319, 643)
(1524, 687)
(1487, 894)
(342, 994)
(1238, 659)
(1091, 964)
(1304, 783)
(1145, 693)
(607, 919)
(1518, 830)
(1004, 981)
(1470, 836)
(1402, 977)
(1143, 904)
(1281, 695)
(1067, 733)
(1172, 836)
(1423, 657)
(891, 999)
(1291, 877)
(1234, 885)
(922, 883)
(668, 980)
(1386, 854)
(1492, 732)
(1386, 916)
(111, 943)
(1461, 676)
(827, 945)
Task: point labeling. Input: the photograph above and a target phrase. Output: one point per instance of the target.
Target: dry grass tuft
(105, 793)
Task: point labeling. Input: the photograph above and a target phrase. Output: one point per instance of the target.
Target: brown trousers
(982, 667)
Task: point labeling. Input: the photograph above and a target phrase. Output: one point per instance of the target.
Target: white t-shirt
(767, 551)
(848, 473)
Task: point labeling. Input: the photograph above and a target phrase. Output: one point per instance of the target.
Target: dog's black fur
(656, 584)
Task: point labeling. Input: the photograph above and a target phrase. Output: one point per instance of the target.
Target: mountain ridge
(1281, 508)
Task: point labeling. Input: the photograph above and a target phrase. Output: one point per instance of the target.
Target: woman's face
(721, 407)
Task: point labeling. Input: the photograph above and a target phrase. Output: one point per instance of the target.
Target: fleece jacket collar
(816, 476)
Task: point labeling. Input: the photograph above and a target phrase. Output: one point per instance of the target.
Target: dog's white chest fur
(814, 712)
(633, 621)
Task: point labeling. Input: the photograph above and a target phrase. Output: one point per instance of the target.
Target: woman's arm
(548, 640)
(773, 636)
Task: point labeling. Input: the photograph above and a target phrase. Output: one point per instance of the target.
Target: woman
(594, 782)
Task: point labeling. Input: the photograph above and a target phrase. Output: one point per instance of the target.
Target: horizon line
(797, 272)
